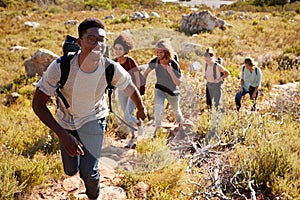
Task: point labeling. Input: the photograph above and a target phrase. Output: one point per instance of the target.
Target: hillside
(229, 156)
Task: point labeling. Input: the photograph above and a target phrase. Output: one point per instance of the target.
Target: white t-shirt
(84, 92)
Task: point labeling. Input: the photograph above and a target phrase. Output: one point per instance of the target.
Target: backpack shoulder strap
(65, 70)
(215, 71)
(109, 73)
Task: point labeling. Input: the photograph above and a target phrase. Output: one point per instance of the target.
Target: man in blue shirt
(251, 76)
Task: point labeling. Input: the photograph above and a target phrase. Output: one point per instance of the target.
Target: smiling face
(93, 43)
(119, 50)
(160, 53)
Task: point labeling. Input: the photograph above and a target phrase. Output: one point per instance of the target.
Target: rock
(141, 189)
(154, 14)
(111, 17)
(115, 193)
(12, 98)
(109, 163)
(71, 22)
(39, 62)
(188, 49)
(199, 21)
(33, 25)
(195, 66)
(17, 48)
(72, 183)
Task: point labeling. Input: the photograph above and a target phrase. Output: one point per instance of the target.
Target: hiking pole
(110, 110)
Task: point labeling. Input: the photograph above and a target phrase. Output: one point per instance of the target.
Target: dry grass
(26, 144)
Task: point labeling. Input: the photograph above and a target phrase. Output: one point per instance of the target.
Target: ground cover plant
(248, 152)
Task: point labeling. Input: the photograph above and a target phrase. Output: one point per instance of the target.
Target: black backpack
(70, 49)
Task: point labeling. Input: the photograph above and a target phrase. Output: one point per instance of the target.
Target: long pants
(128, 106)
(213, 94)
(239, 96)
(159, 99)
(91, 136)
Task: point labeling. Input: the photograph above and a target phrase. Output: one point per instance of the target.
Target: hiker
(122, 45)
(168, 80)
(251, 77)
(80, 128)
(215, 74)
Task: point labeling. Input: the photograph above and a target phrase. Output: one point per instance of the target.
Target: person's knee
(70, 172)
(90, 176)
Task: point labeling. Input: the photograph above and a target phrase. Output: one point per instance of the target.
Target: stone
(39, 62)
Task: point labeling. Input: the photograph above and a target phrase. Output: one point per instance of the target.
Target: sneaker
(131, 144)
(140, 132)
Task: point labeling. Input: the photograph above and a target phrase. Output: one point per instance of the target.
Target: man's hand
(240, 90)
(141, 114)
(253, 95)
(71, 144)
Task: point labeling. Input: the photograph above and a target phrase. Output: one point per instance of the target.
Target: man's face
(93, 43)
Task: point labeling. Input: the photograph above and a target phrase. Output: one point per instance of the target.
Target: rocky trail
(115, 155)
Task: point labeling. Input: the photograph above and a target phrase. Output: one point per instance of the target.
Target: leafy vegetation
(266, 143)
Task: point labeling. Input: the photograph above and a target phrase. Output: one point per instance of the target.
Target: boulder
(199, 21)
(39, 62)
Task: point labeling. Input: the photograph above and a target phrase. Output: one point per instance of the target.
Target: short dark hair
(89, 23)
(249, 61)
(126, 41)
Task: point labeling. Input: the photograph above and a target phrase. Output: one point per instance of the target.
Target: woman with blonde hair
(168, 80)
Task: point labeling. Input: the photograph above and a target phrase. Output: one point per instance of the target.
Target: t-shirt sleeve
(133, 65)
(48, 83)
(259, 75)
(121, 77)
(152, 63)
(242, 72)
(176, 68)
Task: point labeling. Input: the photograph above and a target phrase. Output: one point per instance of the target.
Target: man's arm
(70, 143)
(135, 96)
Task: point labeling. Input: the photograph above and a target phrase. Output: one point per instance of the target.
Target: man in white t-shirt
(80, 127)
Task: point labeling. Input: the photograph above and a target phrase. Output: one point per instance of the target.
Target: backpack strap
(214, 70)
(109, 74)
(255, 69)
(65, 70)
